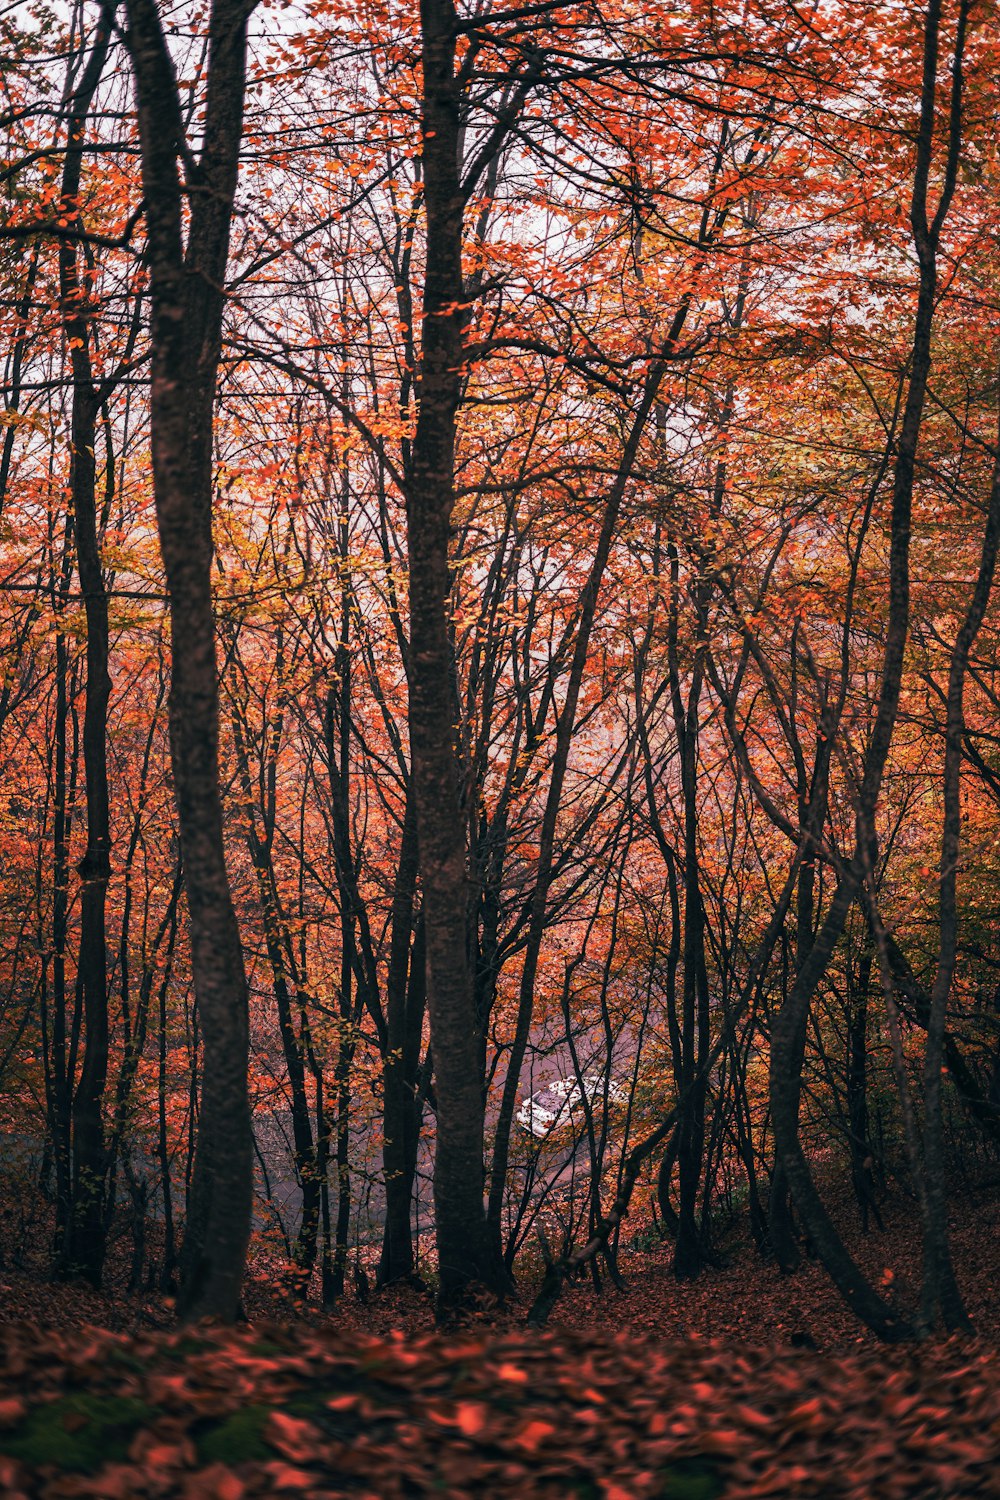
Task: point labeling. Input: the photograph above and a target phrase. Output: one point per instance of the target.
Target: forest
(500, 736)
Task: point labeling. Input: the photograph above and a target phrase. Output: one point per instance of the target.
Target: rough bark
(187, 290)
(463, 1256)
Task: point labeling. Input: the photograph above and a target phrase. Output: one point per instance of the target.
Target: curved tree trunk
(927, 227)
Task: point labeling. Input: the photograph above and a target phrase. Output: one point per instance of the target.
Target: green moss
(691, 1479)
(239, 1439)
(79, 1432)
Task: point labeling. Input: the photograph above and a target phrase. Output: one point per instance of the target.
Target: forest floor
(694, 1391)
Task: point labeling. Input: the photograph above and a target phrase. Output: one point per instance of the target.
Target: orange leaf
(214, 1483)
(9, 1471)
(806, 1415)
(471, 1417)
(287, 1477)
(12, 1409)
(292, 1437)
(534, 1434)
(230, 1487)
(724, 1440)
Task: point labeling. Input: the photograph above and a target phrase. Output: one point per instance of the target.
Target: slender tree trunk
(167, 1269)
(689, 1256)
(405, 1000)
(743, 1120)
(20, 344)
(59, 1071)
(862, 1178)
(83, 1251)
(940, 1287)
(260, 846)
(781, 1227)
(538, 912)
(689, 1251)
(857, 1291)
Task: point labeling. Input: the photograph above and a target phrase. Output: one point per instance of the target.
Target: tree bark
(463, 1256)
(187, 287)
(862, 1177)
(940, 1287)
(405, 1003)
(260, 847)
(84, 1247)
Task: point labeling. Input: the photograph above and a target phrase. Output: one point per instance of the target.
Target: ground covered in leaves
(681, 1391)
(272, 1410)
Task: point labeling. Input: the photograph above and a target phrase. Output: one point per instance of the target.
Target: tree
(82, 1250)
(187, 299)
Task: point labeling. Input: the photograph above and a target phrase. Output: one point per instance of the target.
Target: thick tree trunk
(187, 306)
(463, 1257)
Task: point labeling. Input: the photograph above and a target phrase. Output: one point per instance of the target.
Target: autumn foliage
(499, 510)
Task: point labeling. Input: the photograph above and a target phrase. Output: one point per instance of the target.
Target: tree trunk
(940, 1287)
(84, 1248)
(85, 1252)
(260, 847)
(58, 1055)
(463, 1257)
(187, 287)
(405, 1002)
(862, 1178)
(860, 1295)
